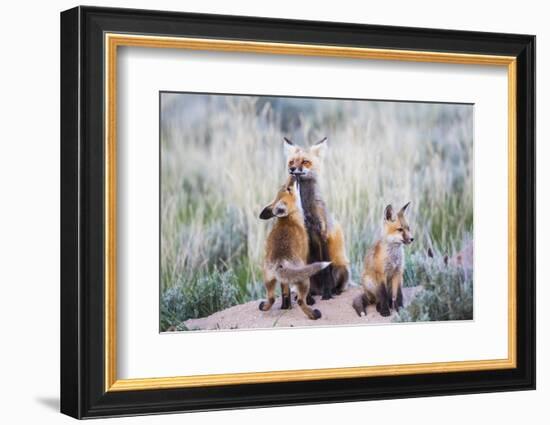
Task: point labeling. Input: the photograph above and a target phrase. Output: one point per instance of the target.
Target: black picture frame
(83, 392)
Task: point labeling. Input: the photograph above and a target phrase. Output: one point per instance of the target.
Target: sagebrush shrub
(447, 292)
(198, 297)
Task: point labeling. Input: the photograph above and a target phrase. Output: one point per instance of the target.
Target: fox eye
(400, 229)
(306, 162)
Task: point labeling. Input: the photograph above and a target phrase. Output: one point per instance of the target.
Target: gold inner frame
(113, 41)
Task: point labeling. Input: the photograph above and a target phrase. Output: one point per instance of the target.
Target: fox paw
(316, 314)
(385, 312)
(360, 312)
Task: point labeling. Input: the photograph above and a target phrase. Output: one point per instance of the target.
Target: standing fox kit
(325, 236)
(287, 251)
(383, 274)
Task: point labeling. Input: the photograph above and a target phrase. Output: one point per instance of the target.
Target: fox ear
(267, 213)
(401, 212)
(290, 147)
(319, 149)
(388, 213)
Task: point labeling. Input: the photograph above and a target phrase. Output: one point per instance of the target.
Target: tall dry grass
(222, 161)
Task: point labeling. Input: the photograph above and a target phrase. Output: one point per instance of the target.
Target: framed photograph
(261, 212)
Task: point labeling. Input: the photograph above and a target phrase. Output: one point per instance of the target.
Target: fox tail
(288, 272)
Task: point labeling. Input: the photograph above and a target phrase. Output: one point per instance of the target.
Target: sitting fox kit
(325, 236)
(383, 274)
(287, 251)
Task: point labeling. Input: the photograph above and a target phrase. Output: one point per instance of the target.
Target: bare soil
(336, 311)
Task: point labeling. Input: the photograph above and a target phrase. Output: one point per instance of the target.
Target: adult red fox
(326, 239)
(383, 274)
(286, 251)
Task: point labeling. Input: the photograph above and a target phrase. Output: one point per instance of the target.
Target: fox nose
(412, 239)
(292, 169)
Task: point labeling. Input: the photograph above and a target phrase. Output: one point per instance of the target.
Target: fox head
(397, 228)
(302, 163)
(286, 202)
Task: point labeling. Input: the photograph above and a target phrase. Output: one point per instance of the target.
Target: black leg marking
(286, 303)
(315, 254)
(261, 306)
(325, 279)
(383, 305)
(399, 299)
(310, 300)
(327, 291)
(389, 294)
(315, 285)
(360, 304)
(322, 282)
(326, 274)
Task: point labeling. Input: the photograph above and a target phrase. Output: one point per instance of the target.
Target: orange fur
(287, 249)
(382, 277)
(325, 234)
(336, 248)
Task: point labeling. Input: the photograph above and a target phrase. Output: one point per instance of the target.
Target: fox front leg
(321, 282)
(396, 291)
(328, 278)
(327, 284)
(382, 306)
(285, 303)
(360, 304)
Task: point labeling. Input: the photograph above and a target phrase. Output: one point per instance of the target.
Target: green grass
(222, 161)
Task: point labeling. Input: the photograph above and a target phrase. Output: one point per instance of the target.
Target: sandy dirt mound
(336, 311)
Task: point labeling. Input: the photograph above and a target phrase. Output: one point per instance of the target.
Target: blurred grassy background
(222, 161)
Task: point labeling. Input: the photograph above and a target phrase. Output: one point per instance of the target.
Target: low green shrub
(198, 297)
(447, 291)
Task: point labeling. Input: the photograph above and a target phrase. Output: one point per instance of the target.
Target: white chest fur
(395, 259)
